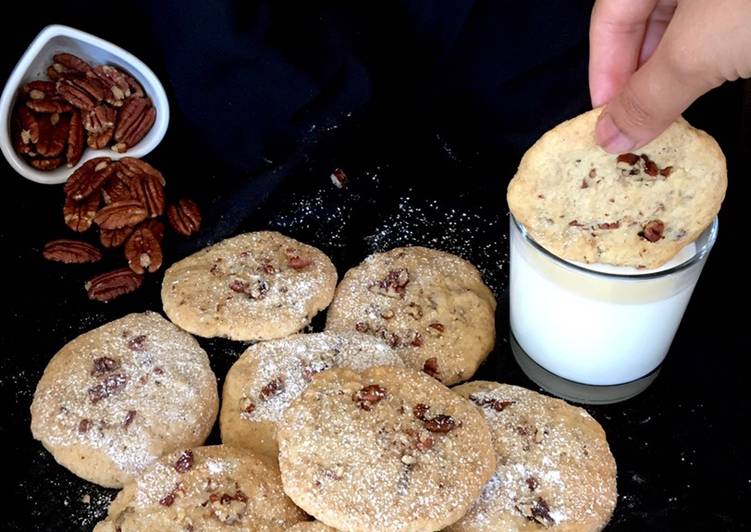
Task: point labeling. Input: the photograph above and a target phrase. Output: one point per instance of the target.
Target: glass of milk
(595, 333)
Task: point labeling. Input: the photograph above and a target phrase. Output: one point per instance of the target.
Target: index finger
(616, 34)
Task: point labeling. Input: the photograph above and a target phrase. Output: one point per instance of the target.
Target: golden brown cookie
(634, 209)
(208, 489)
(255, 286)
(311, 526)
(555, 470)
(270, 375)
(115, 399)
(430, 306)
(385, 449)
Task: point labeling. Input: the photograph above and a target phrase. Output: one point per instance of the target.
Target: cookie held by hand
(634, 209)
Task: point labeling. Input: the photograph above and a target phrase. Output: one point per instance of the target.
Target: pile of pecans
(54, 120)
(125, 199)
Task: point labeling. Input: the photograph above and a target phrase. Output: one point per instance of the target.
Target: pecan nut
(116, 188)
(55, 137)
(115, 82)
(143, 251)
(99, 119)
(79, 215)
(71, 252)
(81, 92)
(135, 120)
(114, 238)
(39, 89)
(653, 230)
(107, 286)
(148, 190)
(121, 214)
(88, 178)
(70, 63)
(131, 168)
(184, 217)
(99, 141)
(75, 139)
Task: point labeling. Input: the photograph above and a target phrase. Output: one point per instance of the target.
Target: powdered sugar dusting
(121, 391)
(554, 465)
(294, 361)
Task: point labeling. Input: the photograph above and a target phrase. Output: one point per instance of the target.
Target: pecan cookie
(207, 488)
(385, 449)
(555, 469)
(430, 306)
(270, 375)
(255, 286)
(311, 526)
(115, 399)
(634, 209)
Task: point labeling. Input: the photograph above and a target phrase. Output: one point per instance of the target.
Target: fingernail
(610, 137)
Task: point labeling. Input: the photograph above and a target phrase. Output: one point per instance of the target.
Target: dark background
(427, 106)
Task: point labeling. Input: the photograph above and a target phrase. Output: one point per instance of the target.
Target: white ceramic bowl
(33, 66)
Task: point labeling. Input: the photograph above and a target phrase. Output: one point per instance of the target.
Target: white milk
(596, 328)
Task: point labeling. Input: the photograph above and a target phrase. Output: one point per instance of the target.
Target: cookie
(634, 209)
(255, 286)
(430, 306)
(270, 375)
(311, 526)
(207, 488)
(115, 399)
(555, 470)
(384, 449)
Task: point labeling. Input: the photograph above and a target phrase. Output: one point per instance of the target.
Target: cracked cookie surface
(268, 376)
(384, 449)
(255, 286)
(555, 470)
(115, 399)
(210, 489)
(431, 307)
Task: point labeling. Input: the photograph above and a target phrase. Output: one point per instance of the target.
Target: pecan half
(71, 252)
(49, 106)
(148, 190)
(184, 217)
(115, 82)
(369, 396)
(116, 187)
(653, 231)
(75, 139)
(39, 89)
(134, 121)
(81, 92)
(143, 252)
(99, 119)
(79, 215)
(132, 167)
(121, 214)
(55, 138)
(114, 238)
(98, 141)
(88, 178)
(71, 62)
(29, 123)
(155, 226)
(107, 286)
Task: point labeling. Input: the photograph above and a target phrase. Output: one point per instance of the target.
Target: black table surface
(681, 446)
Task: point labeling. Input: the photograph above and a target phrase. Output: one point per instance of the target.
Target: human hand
(650, 59)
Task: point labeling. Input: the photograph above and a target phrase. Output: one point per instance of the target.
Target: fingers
(656, 26)
(616, 35)
(652, 99)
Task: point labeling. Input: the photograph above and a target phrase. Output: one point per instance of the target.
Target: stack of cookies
(354, 427)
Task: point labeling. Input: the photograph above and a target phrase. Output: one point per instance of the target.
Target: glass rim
(710, 232)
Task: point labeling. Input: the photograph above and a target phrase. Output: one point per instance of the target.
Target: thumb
(652, 99)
